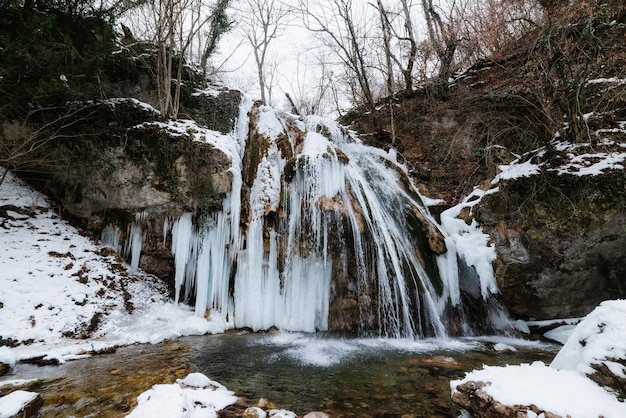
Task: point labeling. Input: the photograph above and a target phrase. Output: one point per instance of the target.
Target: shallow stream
(300, 372)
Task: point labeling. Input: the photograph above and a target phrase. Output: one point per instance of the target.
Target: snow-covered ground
(63, 296)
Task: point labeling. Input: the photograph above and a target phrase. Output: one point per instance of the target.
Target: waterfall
(331, 233)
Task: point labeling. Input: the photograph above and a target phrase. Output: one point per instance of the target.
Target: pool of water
(300, 372)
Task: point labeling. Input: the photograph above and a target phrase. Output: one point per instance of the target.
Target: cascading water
(320, 232)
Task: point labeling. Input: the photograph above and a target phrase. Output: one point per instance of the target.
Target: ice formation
(321, 203)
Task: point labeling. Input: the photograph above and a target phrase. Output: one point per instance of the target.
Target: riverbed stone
(316, 414)
(254, 412)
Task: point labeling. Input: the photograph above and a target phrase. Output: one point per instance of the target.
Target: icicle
(166, 230)
(133, 246)
(110, 237)
(284, 268)
(182, 244)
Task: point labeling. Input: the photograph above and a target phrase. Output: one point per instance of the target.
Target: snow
(593, 164)
(55, 283)
(13, 403)
(188, 127)
(195, 396)
(563, 387)
(560, 334)
(16, 382)
(7, 356)
(268, 124)
(282, 413)
(138, 103)
(598, 337)
(612, 80)
(560, 392)
(517, 170)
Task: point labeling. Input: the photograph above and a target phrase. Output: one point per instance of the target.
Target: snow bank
(563, 387)
(566, 393)
(599, 337)
(7, 356)
(195, 396)
(56, 286)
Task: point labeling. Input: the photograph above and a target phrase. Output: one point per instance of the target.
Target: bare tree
(484, 27)
(442, 37)
(399, 25)
(307, 98)
(174, 26)
(386, 31)
(25, 144)
(262, 22)
(178, 22)
(410, 37)
(334, 21)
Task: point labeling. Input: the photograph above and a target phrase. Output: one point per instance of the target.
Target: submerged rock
(254, 412)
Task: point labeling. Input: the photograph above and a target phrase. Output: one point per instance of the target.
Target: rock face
(122, 163)
(560, 242)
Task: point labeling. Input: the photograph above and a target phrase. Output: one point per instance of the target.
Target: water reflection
(343, 377)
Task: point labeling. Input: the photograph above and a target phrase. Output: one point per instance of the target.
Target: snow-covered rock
(600, 338)
(7, 357)
(20, 402)
(596, 349)
(196, 396)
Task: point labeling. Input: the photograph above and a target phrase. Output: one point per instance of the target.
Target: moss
(559, 203)
(218, 113)
(256, 148)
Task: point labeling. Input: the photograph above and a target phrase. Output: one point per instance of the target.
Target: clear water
(300, 372)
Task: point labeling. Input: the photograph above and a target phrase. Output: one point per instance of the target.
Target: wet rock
(265, 404)
(316, 414)
(471, 397)
(254, 412)
(4, 368)
(344, 314)
(436, 361)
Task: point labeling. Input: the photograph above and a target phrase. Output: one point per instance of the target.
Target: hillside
(551, 107)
